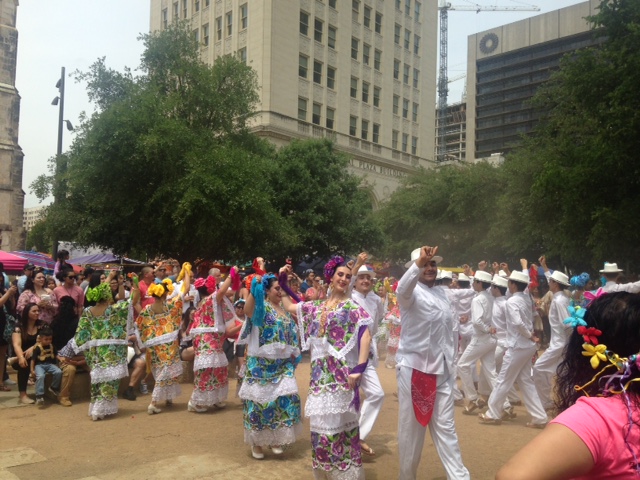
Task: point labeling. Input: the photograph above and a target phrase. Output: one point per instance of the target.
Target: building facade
(455, 118)
(32, 216)
(506, 66)
(12, 234)
(361, 72)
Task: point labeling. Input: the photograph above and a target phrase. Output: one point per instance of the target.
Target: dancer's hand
(354, 378)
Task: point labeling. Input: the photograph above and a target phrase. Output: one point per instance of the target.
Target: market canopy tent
(38, 259)
(11, 262)
(104, 258)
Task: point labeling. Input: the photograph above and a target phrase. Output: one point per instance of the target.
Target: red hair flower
(590, 334)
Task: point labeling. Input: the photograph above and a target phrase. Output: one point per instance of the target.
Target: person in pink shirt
(68, 287)
(597, 433)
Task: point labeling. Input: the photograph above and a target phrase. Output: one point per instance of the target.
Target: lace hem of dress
(328, 402)
(165, 392)
(199, 330)
(278, 437)
(166, 372)
(274, 351)
(317, 426)
(104, 407)
(209, 398)
(108, 374)
(267, 393)
(165, 338)
(210, 360)
(352, 473)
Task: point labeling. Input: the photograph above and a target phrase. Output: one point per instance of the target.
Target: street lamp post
(61, 166)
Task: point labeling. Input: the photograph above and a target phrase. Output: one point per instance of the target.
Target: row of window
(228, 25)
(405, 108)
(397, 35)
(367, 16)
(417, 8)
(406, 73)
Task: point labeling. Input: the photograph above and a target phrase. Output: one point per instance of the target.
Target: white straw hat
(416, 254)
(610, 268)
(500, 281)
(463, 278)
(363, 270)
(560, 277)
(482, 276)
(519, 277)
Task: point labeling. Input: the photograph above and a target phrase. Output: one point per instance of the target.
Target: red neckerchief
(423, 395)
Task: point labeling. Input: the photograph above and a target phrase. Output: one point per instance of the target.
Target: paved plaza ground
(55, 442)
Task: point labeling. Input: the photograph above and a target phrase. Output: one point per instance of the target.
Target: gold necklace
(323, 315)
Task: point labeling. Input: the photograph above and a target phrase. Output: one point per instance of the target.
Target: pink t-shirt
(602, 424)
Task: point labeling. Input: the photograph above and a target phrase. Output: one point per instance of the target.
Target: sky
(75, 33)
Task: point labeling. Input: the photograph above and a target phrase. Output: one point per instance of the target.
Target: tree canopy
(167, 165)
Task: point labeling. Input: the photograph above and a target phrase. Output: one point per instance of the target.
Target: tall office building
(361, 72)
(506, 66)
(12, 235)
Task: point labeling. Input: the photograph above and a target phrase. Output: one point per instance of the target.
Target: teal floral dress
(271, 404)
(332, 337)
(103, 339)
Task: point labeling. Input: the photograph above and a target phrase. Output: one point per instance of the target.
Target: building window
(364, 131)
(376, 133)
(399, 5)
(315, 115)
(407, 39)
(376, 96)
(332, 3)
(303, 66)
(354, 87)
(244, 16)
(165, 18)
(175, 11)
(405, 108)
(353, 125)
(414, 145)
(416, 76)
(302, 109)
(317, 30)
(195, 34)
(331, 78)
(205, 34)
(416, 44)
(416, 10)
(207, 3)
(184, 8)
(396, 34)
(219, 28)
(396, 69)
(366, 52)
(405, 140)
(333, 33)
(378, 25)
(354, 48)
(229, 23)
(405, 74)
(304, 23)
(367, 17)
(407, 7)
(330, 115)
(394, 139)
(242, 55)
(377, 59)
(414, 113)
(355, 10)
(396, 104)
(317, 72)
(196, 5)
(365, 92)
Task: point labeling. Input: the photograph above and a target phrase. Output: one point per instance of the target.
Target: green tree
(39, 238)
(322, 201)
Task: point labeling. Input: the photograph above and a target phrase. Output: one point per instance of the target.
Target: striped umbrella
(38, 259)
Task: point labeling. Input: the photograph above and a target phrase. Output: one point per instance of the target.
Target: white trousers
(500, 351)
(478, 349)
(543, 371)
(516, 367)
(374, 397)
(441, 427)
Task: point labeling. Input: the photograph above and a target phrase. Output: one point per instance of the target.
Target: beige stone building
(507, 64)
(32, 216)
(361, 72)
(12, 235)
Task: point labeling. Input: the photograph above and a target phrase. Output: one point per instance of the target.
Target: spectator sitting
(43, 361)
(65, 322)
(69, 363)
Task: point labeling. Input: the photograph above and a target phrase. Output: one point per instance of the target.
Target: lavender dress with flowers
(271, 404)
(335, 434)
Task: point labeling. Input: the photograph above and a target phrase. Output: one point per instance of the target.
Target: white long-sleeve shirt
(611, 287)
(519, 310)
(499, 319)
(372, 303)
(460, 299)
(426, 339)
(558, 312)
(481, 312)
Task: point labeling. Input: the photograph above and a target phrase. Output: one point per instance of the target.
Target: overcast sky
(75, 33)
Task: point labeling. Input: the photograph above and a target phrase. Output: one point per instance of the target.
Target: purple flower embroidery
(316, 373)
(331, 363)
(324, 441)
(336, 333)
(322, 455)
(341, 376)
(343, 466)
(337, 449)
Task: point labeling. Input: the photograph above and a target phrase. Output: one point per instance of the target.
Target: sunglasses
(71, 276)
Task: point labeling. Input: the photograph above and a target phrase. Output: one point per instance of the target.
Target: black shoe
(128, 394)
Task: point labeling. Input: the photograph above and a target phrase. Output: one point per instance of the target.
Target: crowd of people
(491, 328)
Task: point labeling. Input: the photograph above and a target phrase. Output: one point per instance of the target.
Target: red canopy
(12, 263)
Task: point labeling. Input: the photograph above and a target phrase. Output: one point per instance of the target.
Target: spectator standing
(29, 270)
(309, 275)
(36, 292)
(69, 288)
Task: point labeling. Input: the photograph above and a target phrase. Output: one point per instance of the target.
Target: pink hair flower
(591, 296)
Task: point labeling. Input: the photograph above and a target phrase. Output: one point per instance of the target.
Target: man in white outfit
(426, 357)
(612, 273)
(545, 367)
(369, 382)
(516, 367)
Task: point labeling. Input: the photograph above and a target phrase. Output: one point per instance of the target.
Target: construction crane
(443, 82)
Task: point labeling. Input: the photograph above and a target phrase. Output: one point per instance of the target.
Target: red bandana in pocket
(423, 395)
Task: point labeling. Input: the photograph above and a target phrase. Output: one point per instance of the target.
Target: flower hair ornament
(331, 266)
(99, 293)
(209, 282)
(159, 289)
